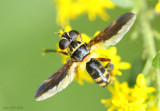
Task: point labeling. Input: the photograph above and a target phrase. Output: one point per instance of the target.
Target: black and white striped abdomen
(98, 72)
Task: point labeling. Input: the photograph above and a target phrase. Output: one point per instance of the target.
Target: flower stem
(148, 43)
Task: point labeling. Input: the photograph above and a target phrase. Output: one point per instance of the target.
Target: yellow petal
(97, 33)
(119, 73)
(124, 65)
(151, 89)
(105, 101)
(141, 81)
(85, 38)
(157, 8)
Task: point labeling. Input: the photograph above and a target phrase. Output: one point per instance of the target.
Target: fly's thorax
(74, 46)
(78, 50)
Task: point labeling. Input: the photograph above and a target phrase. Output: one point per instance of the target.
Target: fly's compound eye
(64, 43)
(73, 34)
(67, 39)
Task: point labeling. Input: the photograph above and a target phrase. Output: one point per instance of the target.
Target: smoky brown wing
(57, 82)
(114, 32)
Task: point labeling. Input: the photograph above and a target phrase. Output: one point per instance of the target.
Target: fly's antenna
(62, 28)
(58, 33)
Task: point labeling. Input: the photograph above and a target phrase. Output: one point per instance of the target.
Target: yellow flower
(129, 99)
(70, 9)
(157, 7)
(141, 87)
(110, 53)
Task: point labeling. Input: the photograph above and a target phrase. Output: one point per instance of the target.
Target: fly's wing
(57, 82)
(114, 32)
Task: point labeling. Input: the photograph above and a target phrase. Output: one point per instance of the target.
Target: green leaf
(156, 61)
(124, 3)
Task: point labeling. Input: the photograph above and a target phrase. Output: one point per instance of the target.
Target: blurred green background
(27, 26)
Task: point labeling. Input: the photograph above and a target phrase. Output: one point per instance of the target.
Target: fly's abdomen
(98, 72)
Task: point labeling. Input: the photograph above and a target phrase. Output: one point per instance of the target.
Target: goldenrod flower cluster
(71, 9)
(125, 98)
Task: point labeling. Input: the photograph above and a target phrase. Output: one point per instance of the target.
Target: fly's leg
(109, 66)
(44, 51)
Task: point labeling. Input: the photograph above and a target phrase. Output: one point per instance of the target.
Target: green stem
(148, 43)
(147, 65)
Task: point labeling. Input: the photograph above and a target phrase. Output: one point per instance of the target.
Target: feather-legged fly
(79, 51)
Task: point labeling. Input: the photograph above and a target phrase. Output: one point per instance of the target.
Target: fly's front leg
(104, 59)
(44, 51)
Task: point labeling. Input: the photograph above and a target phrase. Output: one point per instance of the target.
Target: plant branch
(148, 43)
